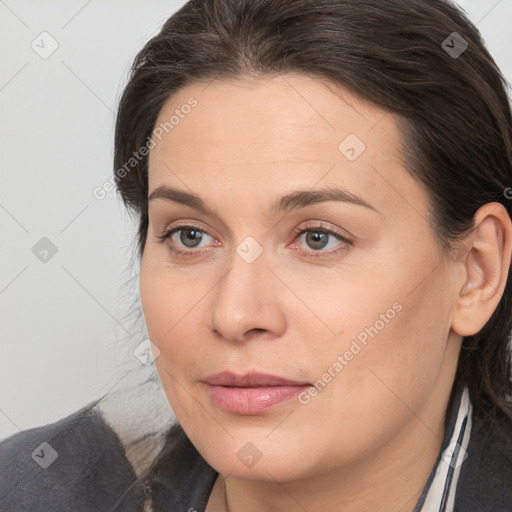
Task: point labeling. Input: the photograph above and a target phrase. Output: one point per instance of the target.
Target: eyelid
(320, 225)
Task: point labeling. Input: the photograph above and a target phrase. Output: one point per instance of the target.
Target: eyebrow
(295, 200)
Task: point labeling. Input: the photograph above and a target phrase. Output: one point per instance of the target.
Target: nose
(248, 302)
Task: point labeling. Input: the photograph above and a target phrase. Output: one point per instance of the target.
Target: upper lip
(251, 379)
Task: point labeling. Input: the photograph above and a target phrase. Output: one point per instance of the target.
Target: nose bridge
(243, 298)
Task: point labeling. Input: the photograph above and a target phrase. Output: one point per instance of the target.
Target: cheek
(388, 370)
(391, 330)
(171, 306)
(392, 352)
(401, 317)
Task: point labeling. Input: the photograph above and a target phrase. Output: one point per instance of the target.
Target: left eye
(318, 239)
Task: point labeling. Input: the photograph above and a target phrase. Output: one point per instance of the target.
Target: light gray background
(64, 335)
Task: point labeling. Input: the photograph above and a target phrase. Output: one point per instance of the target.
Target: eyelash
(319, 227)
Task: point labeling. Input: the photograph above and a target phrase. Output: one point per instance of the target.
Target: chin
(260, 459)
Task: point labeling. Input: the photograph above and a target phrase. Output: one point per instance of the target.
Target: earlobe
(485, 271)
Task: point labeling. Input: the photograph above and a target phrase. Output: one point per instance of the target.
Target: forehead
(287, 130)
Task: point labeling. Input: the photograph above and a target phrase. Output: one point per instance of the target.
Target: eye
(189, 237)
(319, 237)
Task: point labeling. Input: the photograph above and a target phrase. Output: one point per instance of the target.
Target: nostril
(256, 332)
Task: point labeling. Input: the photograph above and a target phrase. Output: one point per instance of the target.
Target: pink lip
(251, 393)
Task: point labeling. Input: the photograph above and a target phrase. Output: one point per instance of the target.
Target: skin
(369, 439)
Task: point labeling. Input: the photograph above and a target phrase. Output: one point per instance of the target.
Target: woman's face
(356, 310)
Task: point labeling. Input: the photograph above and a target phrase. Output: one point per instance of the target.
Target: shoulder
(485, 483)
(76, 463)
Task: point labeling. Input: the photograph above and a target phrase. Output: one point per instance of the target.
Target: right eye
(185, 236)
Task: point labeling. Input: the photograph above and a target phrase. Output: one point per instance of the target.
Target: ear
(486, 263)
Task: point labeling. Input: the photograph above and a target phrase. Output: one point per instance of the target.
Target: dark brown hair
(454, 111)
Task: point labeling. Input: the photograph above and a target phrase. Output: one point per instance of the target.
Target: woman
(323, 198)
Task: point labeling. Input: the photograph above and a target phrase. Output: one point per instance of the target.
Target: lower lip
(251, 400)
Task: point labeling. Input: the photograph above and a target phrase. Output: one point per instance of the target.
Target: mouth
(252, 393)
